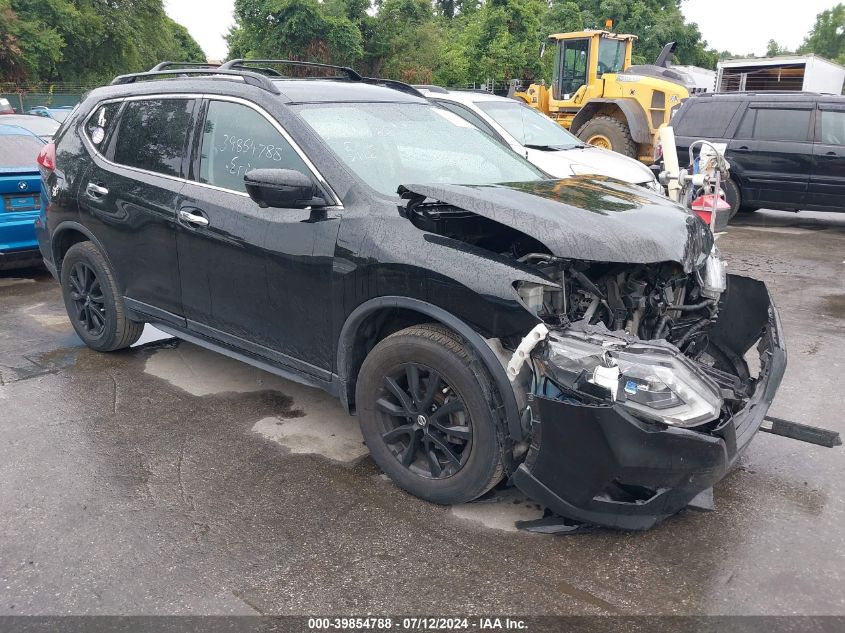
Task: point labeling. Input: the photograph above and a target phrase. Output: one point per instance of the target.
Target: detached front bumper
(601, 465)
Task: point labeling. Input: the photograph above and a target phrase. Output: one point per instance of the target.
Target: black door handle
(830, 154)
(743, 148)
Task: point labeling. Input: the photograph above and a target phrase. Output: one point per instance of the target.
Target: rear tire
(605, 130)
(93, 302)
(422, 394)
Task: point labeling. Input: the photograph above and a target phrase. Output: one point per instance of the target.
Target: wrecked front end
(649, 370)
(648, 398)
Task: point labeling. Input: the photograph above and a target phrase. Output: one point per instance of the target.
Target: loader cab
(582, 58)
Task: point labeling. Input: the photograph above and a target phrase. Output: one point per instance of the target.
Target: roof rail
(351, 74)
(431, 88)
(253, 79)
(164, 65)
(242, 63)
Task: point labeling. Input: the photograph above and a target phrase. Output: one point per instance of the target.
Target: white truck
(807, 73)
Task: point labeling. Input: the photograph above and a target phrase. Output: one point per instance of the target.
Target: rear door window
(236, 139)
(151, 135)
(775, 124)
(706, 118)
(832, 127)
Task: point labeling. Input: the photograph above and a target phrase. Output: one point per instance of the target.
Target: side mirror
(282, 188)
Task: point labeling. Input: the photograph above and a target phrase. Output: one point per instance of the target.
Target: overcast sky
(740, 26)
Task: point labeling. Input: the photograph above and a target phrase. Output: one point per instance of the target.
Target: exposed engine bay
(636, 334)
(633, 387)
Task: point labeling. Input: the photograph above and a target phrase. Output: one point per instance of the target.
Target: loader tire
(609, 133)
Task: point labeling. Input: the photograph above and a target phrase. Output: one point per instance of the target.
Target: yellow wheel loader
(601, 97)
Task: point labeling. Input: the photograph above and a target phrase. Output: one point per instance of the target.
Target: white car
(537, 137)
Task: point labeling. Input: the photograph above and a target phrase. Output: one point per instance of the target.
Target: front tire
(93, 302)
(733, 197)
(426, 406)
(609, 133)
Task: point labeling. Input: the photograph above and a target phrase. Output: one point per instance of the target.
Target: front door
(771, 154)
(128, 197)
(827, 180)
(571, 66)
(258, 279)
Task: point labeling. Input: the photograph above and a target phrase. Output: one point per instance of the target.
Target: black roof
(332, 91)
(346, 86)
(770, 95)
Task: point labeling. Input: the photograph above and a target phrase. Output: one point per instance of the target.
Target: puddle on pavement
(332, 437)
(40, 365)
(500, 510)
(6, 282)
(49, 316)
(318, 425)
(202, 372)
(834, 305)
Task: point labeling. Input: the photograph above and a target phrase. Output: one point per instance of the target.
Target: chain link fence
(23, 98)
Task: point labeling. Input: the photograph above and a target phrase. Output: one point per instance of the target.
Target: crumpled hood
(598, 161)
(587, 217)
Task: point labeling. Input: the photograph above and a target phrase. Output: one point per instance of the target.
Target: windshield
(527, 126)
(391, 144)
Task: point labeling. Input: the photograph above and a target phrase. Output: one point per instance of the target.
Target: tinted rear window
(707, 119)
(775, 124)
(151, 134)
(19, 151)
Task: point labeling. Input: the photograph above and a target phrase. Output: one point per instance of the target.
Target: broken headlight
(652, 381)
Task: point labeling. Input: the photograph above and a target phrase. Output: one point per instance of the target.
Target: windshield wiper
(547, 148)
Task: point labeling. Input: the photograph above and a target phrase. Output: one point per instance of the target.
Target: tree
(405, 41)
(89, 41)
(293, 29)
(499, 41)
(773, 49)
(827, 37)
(185, 47)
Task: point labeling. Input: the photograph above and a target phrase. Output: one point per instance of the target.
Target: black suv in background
(346, 233)
(786, 150)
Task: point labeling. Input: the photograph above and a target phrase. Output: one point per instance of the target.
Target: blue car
(59, 113)
(20, 196)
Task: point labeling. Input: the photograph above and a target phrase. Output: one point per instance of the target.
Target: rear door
(128, 199)
(771, 154)
(827, 180)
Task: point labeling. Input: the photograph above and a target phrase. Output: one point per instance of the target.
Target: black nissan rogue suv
(579, 337)
(786, 150)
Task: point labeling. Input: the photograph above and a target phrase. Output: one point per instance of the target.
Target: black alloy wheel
(93, 301)
(87, 296)
(424, 422)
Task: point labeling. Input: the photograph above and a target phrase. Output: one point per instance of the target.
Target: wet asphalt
(165, 479)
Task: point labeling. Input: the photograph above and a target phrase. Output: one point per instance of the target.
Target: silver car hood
(601, 162)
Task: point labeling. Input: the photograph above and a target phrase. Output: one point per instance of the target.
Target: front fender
(350, 328)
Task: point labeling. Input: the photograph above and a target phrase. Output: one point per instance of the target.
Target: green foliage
(827, 37)
(294, 29)
(88, 41)
(773, 49)
(452, 42)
